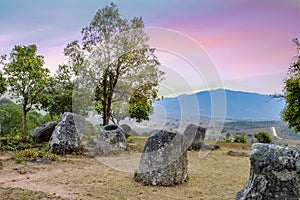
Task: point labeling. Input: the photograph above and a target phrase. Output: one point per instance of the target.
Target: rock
(67, 134)
(111, 140)
(210, 147)
(274, 173)
(242, 154)
(164, 160)
(127, 130)
(196, 135)
(43, 132)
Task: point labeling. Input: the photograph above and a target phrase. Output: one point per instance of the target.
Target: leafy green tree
(291, 111)
(263, 137)
(26, 78)
(114, 52)
(10, 116)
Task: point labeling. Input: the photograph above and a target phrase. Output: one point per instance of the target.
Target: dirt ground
(212, 175)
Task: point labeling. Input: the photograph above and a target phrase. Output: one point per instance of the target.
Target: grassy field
(212, 175)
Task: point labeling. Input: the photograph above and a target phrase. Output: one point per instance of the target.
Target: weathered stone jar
(111, 139)
(68, 133)
(164, 160)
(195, 135)
(274, 173)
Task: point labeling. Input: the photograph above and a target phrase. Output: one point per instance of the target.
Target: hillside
(239, 105)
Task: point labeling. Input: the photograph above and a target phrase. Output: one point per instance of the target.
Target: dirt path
(34, 178)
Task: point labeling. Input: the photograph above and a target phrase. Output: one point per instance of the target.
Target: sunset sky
(248, 41)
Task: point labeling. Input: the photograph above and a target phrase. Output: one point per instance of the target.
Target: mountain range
(233, 105)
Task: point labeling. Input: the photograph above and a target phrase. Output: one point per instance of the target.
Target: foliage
(57, 97)
(291, 111)
(34, 153)
(26, 78)
(263, 137)
(228, 140)
(2, 84)
(11, 118)
(115, 60)
(240, 139)
(14, 142)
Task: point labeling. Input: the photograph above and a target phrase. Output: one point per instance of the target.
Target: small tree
(263, 137)
(26, 78)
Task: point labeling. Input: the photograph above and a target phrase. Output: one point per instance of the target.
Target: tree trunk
(24, 123)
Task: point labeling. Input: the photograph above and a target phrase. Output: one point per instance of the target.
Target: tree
(291, 111)
(114, 53)
(26, 78)
(263, 137)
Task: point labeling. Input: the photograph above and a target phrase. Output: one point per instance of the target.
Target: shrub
(240, 139)
(263, 137)
(29, 154)
(228, 140)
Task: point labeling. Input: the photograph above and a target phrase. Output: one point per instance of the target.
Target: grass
(212, 175)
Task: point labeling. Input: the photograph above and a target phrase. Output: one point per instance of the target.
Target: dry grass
(211, 176)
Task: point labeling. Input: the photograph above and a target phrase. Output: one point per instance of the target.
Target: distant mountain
(239, 105)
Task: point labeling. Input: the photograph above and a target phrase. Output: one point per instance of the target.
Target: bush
(29, 154)
(240, 139)
(263, 137)
(228, 140)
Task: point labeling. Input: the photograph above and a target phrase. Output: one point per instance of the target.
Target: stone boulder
(195, 134)
(111, 139)
(67, 134)
(127, 130)
(274, 173)
(43, 132)
(164, 160)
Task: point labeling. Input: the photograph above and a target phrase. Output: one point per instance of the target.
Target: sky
(202, 44)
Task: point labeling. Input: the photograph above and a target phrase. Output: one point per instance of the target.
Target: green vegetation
(11, 118)
(25, 78)
(2, 83)
(228, 140)
(291, 112)
(240, 139)
(34, 153)
(263, 137)
(25, 148)
(58, 93)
